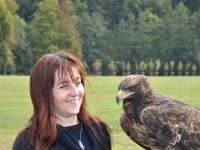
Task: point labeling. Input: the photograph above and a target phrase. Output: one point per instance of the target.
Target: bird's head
(131, 86)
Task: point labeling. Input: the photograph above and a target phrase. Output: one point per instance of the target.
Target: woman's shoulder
(101, 128)
(99, 124)
(103, 132)
(22, 141)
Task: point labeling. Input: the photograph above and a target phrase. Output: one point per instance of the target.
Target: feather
(129, 129)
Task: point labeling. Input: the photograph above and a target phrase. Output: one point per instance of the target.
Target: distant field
(16, 107)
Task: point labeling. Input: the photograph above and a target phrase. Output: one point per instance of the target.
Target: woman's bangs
(66, 67)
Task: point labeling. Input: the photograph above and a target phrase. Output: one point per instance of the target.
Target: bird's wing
(128, 127)
(174, 123)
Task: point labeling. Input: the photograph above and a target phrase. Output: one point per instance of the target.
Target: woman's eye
(63, 86)
(78, 83)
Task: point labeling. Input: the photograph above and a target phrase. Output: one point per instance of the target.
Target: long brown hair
(42, 125)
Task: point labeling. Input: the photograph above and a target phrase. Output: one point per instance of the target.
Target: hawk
(154, 121)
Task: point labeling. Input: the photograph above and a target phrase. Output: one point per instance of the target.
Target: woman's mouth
(71, 100)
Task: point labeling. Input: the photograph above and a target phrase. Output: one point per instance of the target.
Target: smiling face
(67, 94)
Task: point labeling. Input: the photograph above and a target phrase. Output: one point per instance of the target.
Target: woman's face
(67, 94)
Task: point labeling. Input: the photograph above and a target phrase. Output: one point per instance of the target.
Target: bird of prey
(154, 121)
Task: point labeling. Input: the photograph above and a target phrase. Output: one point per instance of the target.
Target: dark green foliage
(27, 8)
(193, 5)
(92, 30)
(175, 37)
(23, 55)
(6, 38)
(44, 27)
(195, 29)
(122, 31)
(160, 29)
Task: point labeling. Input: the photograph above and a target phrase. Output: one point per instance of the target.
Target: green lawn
(15, 104)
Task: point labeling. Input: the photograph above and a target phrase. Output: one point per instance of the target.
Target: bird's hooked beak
(121, 95)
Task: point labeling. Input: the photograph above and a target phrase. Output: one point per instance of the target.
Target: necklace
(79, 141)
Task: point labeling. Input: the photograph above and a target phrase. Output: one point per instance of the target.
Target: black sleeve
(18, 144)
(22, 142)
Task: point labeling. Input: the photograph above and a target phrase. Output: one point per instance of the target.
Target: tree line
(115, 37)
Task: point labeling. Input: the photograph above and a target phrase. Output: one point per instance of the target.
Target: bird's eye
(130, 87)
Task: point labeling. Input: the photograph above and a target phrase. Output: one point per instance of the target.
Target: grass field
(16, 108)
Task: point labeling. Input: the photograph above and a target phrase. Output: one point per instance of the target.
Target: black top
(72, 134)
(67, 139)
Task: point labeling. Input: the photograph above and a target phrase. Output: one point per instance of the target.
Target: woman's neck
(67, 121)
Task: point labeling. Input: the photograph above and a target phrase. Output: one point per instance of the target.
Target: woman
(60, 119)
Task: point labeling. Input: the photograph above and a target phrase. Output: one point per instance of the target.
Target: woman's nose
(74, 90)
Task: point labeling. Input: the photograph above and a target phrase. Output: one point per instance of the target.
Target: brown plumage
(154, 121)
